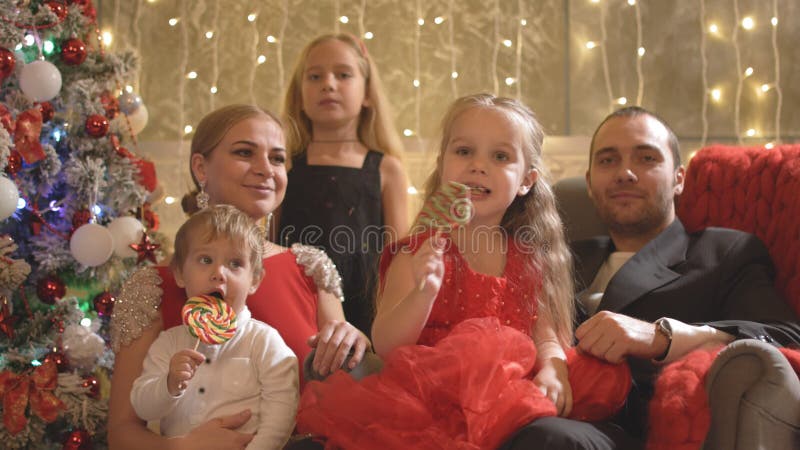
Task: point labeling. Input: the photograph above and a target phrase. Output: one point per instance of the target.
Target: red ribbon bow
(26, 135)
(18, 390)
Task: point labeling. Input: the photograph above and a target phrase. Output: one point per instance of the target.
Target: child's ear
(179, 278)
(527, 182)
(256, 283)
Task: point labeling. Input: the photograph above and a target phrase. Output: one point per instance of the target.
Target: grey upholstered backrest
(577, 210)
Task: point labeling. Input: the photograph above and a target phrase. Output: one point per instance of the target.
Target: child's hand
(553, 381)
(181, 370)
(428, 265)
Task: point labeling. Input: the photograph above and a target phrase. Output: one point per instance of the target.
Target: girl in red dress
(473, 322)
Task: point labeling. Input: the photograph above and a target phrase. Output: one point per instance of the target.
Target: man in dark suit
(650, 293)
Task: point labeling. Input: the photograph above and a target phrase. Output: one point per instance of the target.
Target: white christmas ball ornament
(125, 231)
(40, 81)
(9, 196)
(82, 346)
(91, 244)
(129, 102)
(138, 119)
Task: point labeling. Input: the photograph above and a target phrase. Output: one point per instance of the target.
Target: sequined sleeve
(136, 306)
(320, 268)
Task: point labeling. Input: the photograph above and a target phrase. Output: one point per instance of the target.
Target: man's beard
(650, 217)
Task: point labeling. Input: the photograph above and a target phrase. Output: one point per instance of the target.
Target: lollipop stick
(196, 344)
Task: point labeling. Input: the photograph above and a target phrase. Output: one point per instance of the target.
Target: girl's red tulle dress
(467, 383)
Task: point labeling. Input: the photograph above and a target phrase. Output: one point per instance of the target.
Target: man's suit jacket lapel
(648, 269)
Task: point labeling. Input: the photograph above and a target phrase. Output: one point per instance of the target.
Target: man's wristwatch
(663, 327)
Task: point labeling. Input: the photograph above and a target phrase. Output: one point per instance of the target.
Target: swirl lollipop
(449, 207)
(209, 319)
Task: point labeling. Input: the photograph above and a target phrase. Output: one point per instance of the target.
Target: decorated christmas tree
(74, 218)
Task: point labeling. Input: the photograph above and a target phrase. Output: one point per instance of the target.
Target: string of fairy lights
(768, 85)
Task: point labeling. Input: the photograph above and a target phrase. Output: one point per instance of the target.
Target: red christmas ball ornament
(14, 163)
(50, 289)
(47, 111)
(110, 104)
(59, 358)
(7, 63)
(87, 8)
(59, 8)
(96, 125)
(80, 217)
(73, 52)
(78, 440)
(104, 303)
(93, 385)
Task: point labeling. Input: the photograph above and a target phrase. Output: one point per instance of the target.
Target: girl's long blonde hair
(532, 220)
(375, 125)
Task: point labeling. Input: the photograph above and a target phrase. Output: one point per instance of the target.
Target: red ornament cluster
(104, 303)
(14, 163)
(59, 8)
(96, 125)
(7, 63)
(59, 358)
(73, 52)
(93, 385)
(50, 289)
(78, 440)
(80, 217)
(47, 111)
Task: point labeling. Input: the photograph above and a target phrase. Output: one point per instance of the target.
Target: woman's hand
(333, 343)
(553, 381)
(216, 434)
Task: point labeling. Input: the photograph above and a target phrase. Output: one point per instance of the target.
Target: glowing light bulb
(622, 101)
(18, 47)
(748, 71)
(591, 44)
(96, 210)
(29, 40)
(261, 59)
(48, 47)
(523, 22)
(769, 145)
(774, 21)
(86, 322)
(507, 42)
(408, 132)
(595, 1)
(187, 129)
(412, 190)
(416, 83)
(271, 39)
(421, 21)
(173, 21)
(454, 75)
(191, 75)
(128, 88)
(640, 51)
(510, 81)
(344, 19)
(21, 203)
(765, 87)
(748, 23)
(751, 132)
(713, 28)
(251, 17)
(169, 199)
(438, 20)
(716, 94)
(213, 89)
(209, 34)
(368, 35)
(631, 2)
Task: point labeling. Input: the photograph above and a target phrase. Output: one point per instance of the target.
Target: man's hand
(612, 337)
(216, 434)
